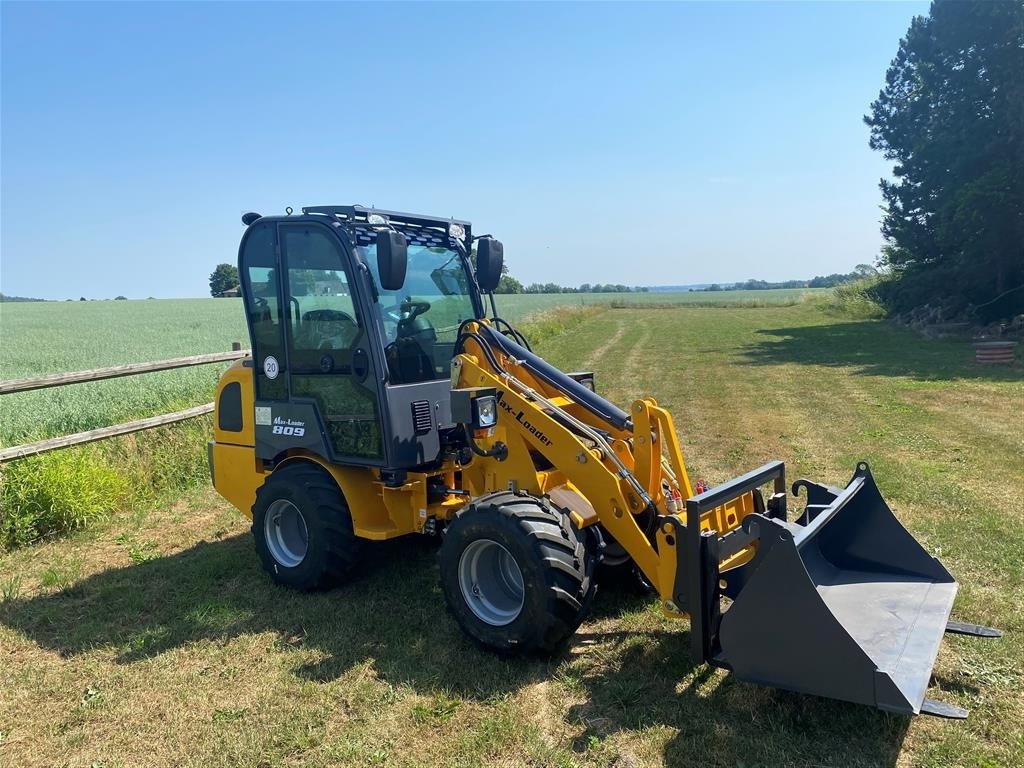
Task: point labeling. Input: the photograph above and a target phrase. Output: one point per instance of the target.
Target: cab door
(330, 365)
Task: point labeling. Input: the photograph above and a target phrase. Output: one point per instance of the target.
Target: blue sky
(641, 144)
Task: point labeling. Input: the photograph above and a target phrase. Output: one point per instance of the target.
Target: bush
(73, 488)
(57, 493)
(855, 300)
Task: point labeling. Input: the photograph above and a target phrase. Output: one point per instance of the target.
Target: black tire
(332, 549)
(555, 562)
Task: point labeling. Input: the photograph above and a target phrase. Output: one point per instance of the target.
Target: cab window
(263, 310)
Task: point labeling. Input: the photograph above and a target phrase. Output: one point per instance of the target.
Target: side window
(264, 313)
(325, 338)
(323, 316)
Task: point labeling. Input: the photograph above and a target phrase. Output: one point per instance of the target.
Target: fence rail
(98, 374)
(31, 449)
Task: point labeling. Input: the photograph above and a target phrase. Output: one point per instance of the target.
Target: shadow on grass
(720, 721)
(876, 349)
(393, 616)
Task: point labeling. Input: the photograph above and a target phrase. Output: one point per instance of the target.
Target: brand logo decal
(288, 427)
(520, 417)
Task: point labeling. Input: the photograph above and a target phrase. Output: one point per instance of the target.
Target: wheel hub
(285, 532)
(491, 582)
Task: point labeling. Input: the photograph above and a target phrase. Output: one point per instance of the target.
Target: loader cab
(351, 357)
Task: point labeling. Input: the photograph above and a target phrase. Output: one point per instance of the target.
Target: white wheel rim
(285, 531)
(491, 582)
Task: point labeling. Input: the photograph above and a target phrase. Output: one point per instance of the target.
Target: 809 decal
(288, 427)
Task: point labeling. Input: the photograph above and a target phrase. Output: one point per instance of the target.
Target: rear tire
(516, 575)
(303, 529)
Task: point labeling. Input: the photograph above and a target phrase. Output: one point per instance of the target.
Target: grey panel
(283, 426)
(406, 447)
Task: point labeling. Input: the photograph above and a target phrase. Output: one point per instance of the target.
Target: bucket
(843, 603)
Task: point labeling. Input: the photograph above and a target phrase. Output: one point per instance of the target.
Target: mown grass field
(156, 639)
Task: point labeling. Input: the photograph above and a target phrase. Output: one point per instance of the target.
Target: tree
(507, 283)
(224, 278)
(951, 119)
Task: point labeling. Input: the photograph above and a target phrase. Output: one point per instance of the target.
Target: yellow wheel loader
(380, 400)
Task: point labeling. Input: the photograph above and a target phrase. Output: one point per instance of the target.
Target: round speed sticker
(270, 367)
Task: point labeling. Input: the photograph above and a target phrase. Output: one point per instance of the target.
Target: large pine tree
(951, 117)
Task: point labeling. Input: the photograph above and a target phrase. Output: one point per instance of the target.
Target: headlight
(486, 412)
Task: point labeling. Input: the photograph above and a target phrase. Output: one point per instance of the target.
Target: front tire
(516, 575)
(303, 529)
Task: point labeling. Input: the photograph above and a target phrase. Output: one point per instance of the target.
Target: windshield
(421, 320)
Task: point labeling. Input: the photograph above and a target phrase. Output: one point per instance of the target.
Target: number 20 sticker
(270, 367)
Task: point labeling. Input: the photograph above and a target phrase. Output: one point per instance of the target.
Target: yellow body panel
(236, 474)
(243, 375)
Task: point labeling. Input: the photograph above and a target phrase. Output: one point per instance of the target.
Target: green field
(52, 337)
(156, 639)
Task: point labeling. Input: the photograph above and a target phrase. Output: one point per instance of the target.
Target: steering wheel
(321, 315)
(396, 312)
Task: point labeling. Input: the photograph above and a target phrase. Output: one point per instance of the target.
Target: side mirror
(490, 255)
(392, 259)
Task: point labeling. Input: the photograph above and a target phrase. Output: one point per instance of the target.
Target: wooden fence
(98, 374)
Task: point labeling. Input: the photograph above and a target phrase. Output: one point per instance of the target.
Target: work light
(486, 412)
(476, 407)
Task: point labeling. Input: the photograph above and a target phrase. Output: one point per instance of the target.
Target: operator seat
(407, 355)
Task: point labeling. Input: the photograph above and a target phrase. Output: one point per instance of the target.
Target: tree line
(951, 119)
(860, 272)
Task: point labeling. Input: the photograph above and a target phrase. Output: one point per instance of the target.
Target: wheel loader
(382, 399)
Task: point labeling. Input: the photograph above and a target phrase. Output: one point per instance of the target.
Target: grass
(155, 639)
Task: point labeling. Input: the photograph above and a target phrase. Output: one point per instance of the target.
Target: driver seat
(407, 360)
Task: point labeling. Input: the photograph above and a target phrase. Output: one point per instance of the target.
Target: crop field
(52, 337)
(155, 639)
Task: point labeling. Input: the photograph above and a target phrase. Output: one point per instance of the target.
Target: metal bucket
(842, 603)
